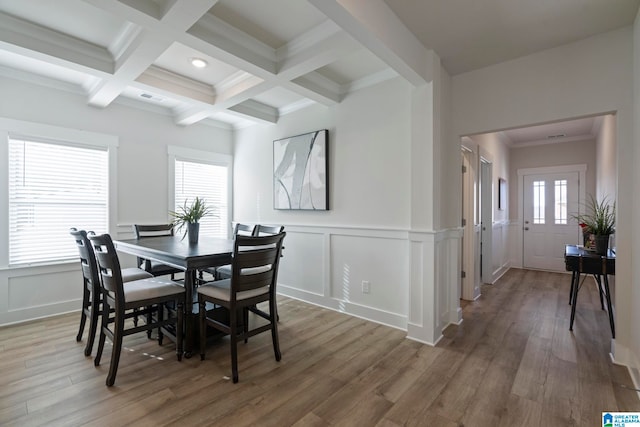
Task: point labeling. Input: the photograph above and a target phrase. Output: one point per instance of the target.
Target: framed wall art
(502, 194)
(300, 165)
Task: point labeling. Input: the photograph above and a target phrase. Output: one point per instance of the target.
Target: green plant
(190, 214)
(599, 218)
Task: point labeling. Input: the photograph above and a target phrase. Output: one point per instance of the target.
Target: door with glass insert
(549, 202)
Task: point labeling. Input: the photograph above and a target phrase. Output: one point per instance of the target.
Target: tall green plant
(190, 214)
(600, 216)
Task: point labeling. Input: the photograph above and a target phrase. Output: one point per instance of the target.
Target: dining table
(189, 257)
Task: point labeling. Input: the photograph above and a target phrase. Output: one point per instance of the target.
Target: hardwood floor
(512, 361)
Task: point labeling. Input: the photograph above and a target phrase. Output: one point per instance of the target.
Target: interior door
(549, 202)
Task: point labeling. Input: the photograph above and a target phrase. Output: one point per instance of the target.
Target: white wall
(492, 148)
(606, 166)
(383, 144)
(364, 234)
(633, 344)
(588, 77)
(368, 161)
(142, 181)
(565, 153)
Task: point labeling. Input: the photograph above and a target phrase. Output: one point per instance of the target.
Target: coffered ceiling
(265, 58)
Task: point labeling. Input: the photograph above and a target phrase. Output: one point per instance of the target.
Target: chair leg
(179, 329)
(104, 324)
(202, 316)
(245, 323)
(93, 323)
(160, 319)
(83, 315)
(135, 317)
(118, 328)
(149, 321)
(233, 323)
(274, 329)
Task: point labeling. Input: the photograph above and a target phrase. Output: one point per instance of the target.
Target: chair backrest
(87, 259)
(243, 229)
(152, 230)
(255, 262)
(108, 265)
(266, 230)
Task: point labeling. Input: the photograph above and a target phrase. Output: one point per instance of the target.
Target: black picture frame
(300, 172)
(502, 194)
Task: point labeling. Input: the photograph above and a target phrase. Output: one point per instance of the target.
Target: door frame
(486, 219)
(470, 283)
(582, 171)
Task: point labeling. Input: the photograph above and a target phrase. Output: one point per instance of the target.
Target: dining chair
(224, 271)
(91, 295)
(148, 296)
(253, 281)
(264, 230)
(154, 267)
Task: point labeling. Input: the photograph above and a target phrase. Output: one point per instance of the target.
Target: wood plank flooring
(512, 361)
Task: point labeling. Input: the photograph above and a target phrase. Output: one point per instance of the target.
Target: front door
(549, 202)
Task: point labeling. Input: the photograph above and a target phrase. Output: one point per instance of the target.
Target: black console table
(580, 261)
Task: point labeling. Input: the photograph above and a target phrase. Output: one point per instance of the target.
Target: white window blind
(52, 187)
(209, 182)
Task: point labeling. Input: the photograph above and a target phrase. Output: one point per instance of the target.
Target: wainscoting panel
(500, 236)
(327, 265)
(381, 262)
(303, 262)
(515, 244)
(40, 291)
(435, 283)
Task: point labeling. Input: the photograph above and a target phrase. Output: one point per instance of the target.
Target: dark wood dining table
(580, 260)
(177, 252)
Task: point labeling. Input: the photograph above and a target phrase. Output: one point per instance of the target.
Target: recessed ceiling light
(199, 62)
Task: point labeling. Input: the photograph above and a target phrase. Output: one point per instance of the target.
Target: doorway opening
(550, 148)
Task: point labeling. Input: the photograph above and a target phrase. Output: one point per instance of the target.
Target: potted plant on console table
(189, 216)
(599, 220)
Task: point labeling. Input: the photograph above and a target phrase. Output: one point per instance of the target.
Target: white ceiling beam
(214, 37)
(374, 25)
(138, 15)
(137, 58)
(256, 110)
(222, 41)
(316, 87)
(300, 57)
(153, 26)
(78, 54)
(143, 49)
(308, 89)
(169, 82)
(231, 97)
(182, 14)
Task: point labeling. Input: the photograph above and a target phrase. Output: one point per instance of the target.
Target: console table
(580, 261)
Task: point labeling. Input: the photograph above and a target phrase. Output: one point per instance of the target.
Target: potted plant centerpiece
(599, 220)
(189, 216)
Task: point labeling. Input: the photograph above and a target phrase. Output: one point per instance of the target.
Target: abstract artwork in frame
(300, 172)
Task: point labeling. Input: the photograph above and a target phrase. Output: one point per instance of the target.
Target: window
(560, 201)
(538, 202)
(209, 182)
(54, 186)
